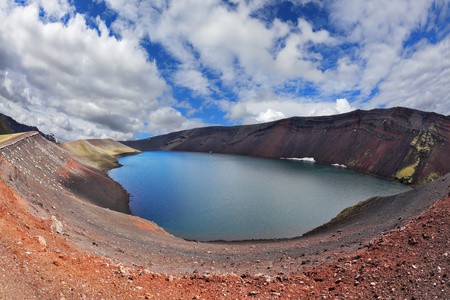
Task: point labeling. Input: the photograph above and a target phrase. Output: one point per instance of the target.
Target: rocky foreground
(65, 234)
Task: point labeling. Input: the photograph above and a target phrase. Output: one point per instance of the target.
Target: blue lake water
(207, 197)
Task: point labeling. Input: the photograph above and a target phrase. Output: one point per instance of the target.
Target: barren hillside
(64, 235)
(398, 143)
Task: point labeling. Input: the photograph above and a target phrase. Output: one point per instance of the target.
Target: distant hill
(99, 154)
(8, 125)
(403, 144)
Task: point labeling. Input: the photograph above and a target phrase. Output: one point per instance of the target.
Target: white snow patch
(339, 166)
(310, 159)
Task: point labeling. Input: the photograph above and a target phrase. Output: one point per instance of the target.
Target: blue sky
(132, 69)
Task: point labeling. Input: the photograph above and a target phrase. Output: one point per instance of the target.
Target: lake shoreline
(267, 198)
(50, 209)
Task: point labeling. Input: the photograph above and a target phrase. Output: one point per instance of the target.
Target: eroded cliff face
(399, 143)
(47, 175)
(57, 237)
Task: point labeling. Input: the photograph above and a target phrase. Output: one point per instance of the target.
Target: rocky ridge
(398, 143)
(63, 234)
(8, 125)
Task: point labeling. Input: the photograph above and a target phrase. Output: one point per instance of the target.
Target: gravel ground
(55, 243)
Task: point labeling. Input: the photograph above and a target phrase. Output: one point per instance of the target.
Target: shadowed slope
(50, 185)
(53, 183)
(8, 125)
(399, 143)
(47, 173)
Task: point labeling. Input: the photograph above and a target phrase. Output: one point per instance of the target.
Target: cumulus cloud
(76, 76)
(73, 69)
(326, 109)
(342, 106)
(379, 28)
(239, 49)
(55, 9)
(248, 54)
(420, 81)
(256, 112)
(63, 122)
(168, 119)
(269, 115)
(63, 127)
(193, 80)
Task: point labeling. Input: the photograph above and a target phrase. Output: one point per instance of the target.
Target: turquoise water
(207, 197)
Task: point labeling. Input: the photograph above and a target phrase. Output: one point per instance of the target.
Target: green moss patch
(345, 215)
(98, 154)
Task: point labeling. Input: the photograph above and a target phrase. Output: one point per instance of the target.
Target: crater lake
(205, 197)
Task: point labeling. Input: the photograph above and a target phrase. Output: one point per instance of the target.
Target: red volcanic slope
(59, 239)
(407, 145)
(33, 166)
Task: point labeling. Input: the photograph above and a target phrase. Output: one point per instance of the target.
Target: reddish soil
(396, 248)
(36, 263)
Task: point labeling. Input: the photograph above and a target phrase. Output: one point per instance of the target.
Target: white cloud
(250, 112)
(421, 81)
(88, 82)
(168, 119)
(292, 61)
(55, 9)
(245, 53)
(326, 109)
(63, 122)
(379, 28)
(270, 115)
(379, 21)
(239, 49)
(193, 80)
(72, 70)
(342, 106)
(7, 83)
(63, 127)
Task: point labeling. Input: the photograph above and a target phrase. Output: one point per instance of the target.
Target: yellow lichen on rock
(423, 143)
(431, 177)
(405, 175)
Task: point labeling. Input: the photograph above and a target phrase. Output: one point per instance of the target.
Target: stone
(42, 241)
(124, 271)
(56, 225)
